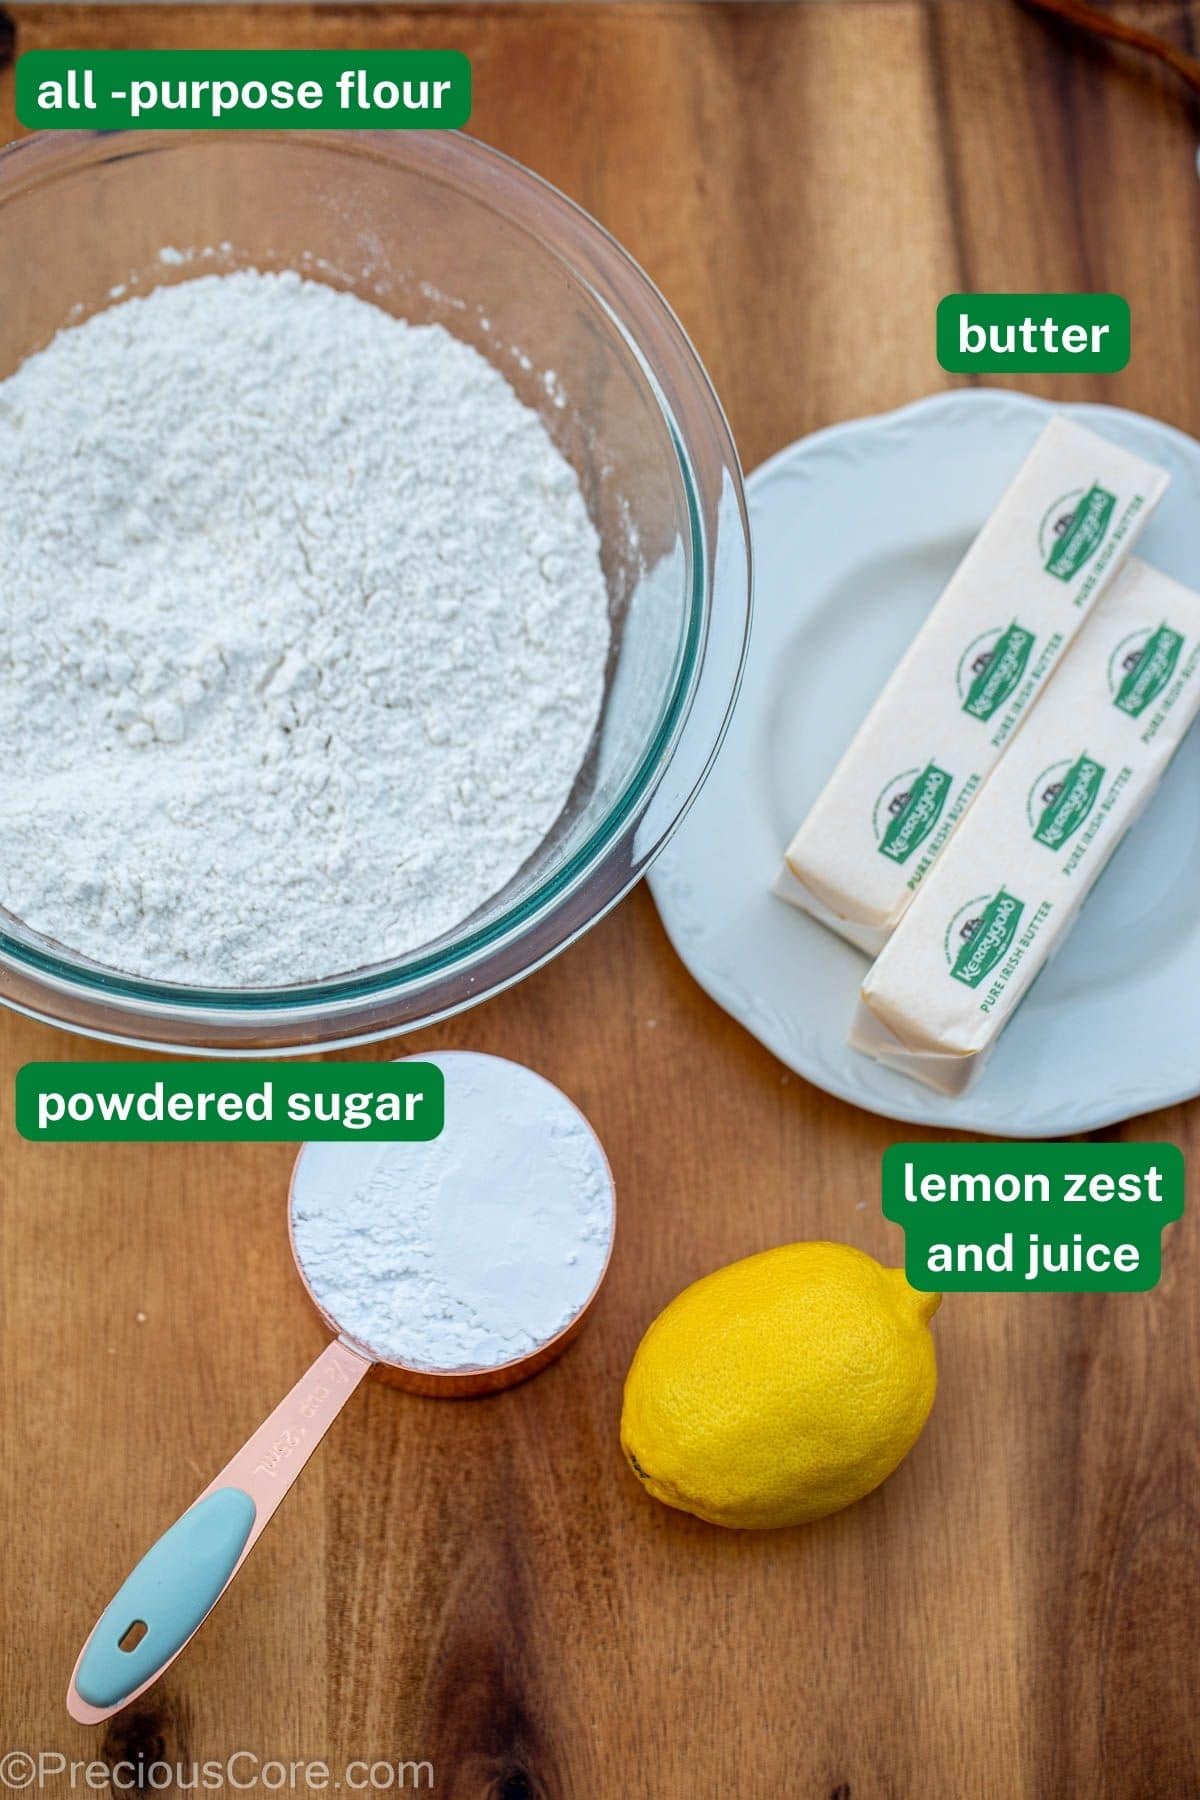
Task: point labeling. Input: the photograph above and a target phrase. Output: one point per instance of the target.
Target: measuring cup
(163, 1602)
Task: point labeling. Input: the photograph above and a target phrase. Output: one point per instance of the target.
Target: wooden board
(483, 1585)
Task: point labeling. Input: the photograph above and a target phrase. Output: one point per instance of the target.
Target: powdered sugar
(469, 1251)
(303, 633)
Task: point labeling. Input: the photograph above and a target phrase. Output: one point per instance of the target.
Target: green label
(1079, 532)
(907, 810)
(200, 1102)
(1062, 797)
(1142, 673)
(1006, 334)
(1039, 1218)
(979, 934)
(993, 673)
(243, 90)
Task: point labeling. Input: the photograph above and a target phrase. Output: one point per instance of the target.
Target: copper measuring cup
(166, 1598)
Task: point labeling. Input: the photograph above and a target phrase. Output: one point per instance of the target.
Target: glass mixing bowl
(431, 226)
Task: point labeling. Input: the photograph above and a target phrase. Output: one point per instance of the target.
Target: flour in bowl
(303, 633)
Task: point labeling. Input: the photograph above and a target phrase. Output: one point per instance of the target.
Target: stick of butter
(1008, 888)
(967, 680)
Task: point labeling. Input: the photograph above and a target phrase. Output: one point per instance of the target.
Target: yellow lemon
(781, 1388)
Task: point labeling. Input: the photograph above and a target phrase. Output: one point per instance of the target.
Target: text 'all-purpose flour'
(303, 633)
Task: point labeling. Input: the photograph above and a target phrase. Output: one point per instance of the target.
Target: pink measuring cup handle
(182, 1576)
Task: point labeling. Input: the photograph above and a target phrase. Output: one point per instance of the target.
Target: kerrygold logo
(980, 933)
(1062, 797)
(991, 668)
(1074, 529)
(1141, 667)
(908, 809)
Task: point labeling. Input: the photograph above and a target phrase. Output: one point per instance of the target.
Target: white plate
(855, 531)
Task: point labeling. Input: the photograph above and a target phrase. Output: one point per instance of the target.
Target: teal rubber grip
(170, 1592)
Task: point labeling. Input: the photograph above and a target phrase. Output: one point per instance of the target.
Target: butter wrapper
(1010, 885)
(967, 681)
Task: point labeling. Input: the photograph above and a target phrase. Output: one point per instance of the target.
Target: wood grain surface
(483, 1585)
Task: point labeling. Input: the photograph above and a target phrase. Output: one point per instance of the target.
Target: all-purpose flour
(468, 1251)
(303, 633)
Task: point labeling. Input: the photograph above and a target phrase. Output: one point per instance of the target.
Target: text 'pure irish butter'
(1048, 1218)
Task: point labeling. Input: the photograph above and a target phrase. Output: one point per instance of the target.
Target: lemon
(781, 1388)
